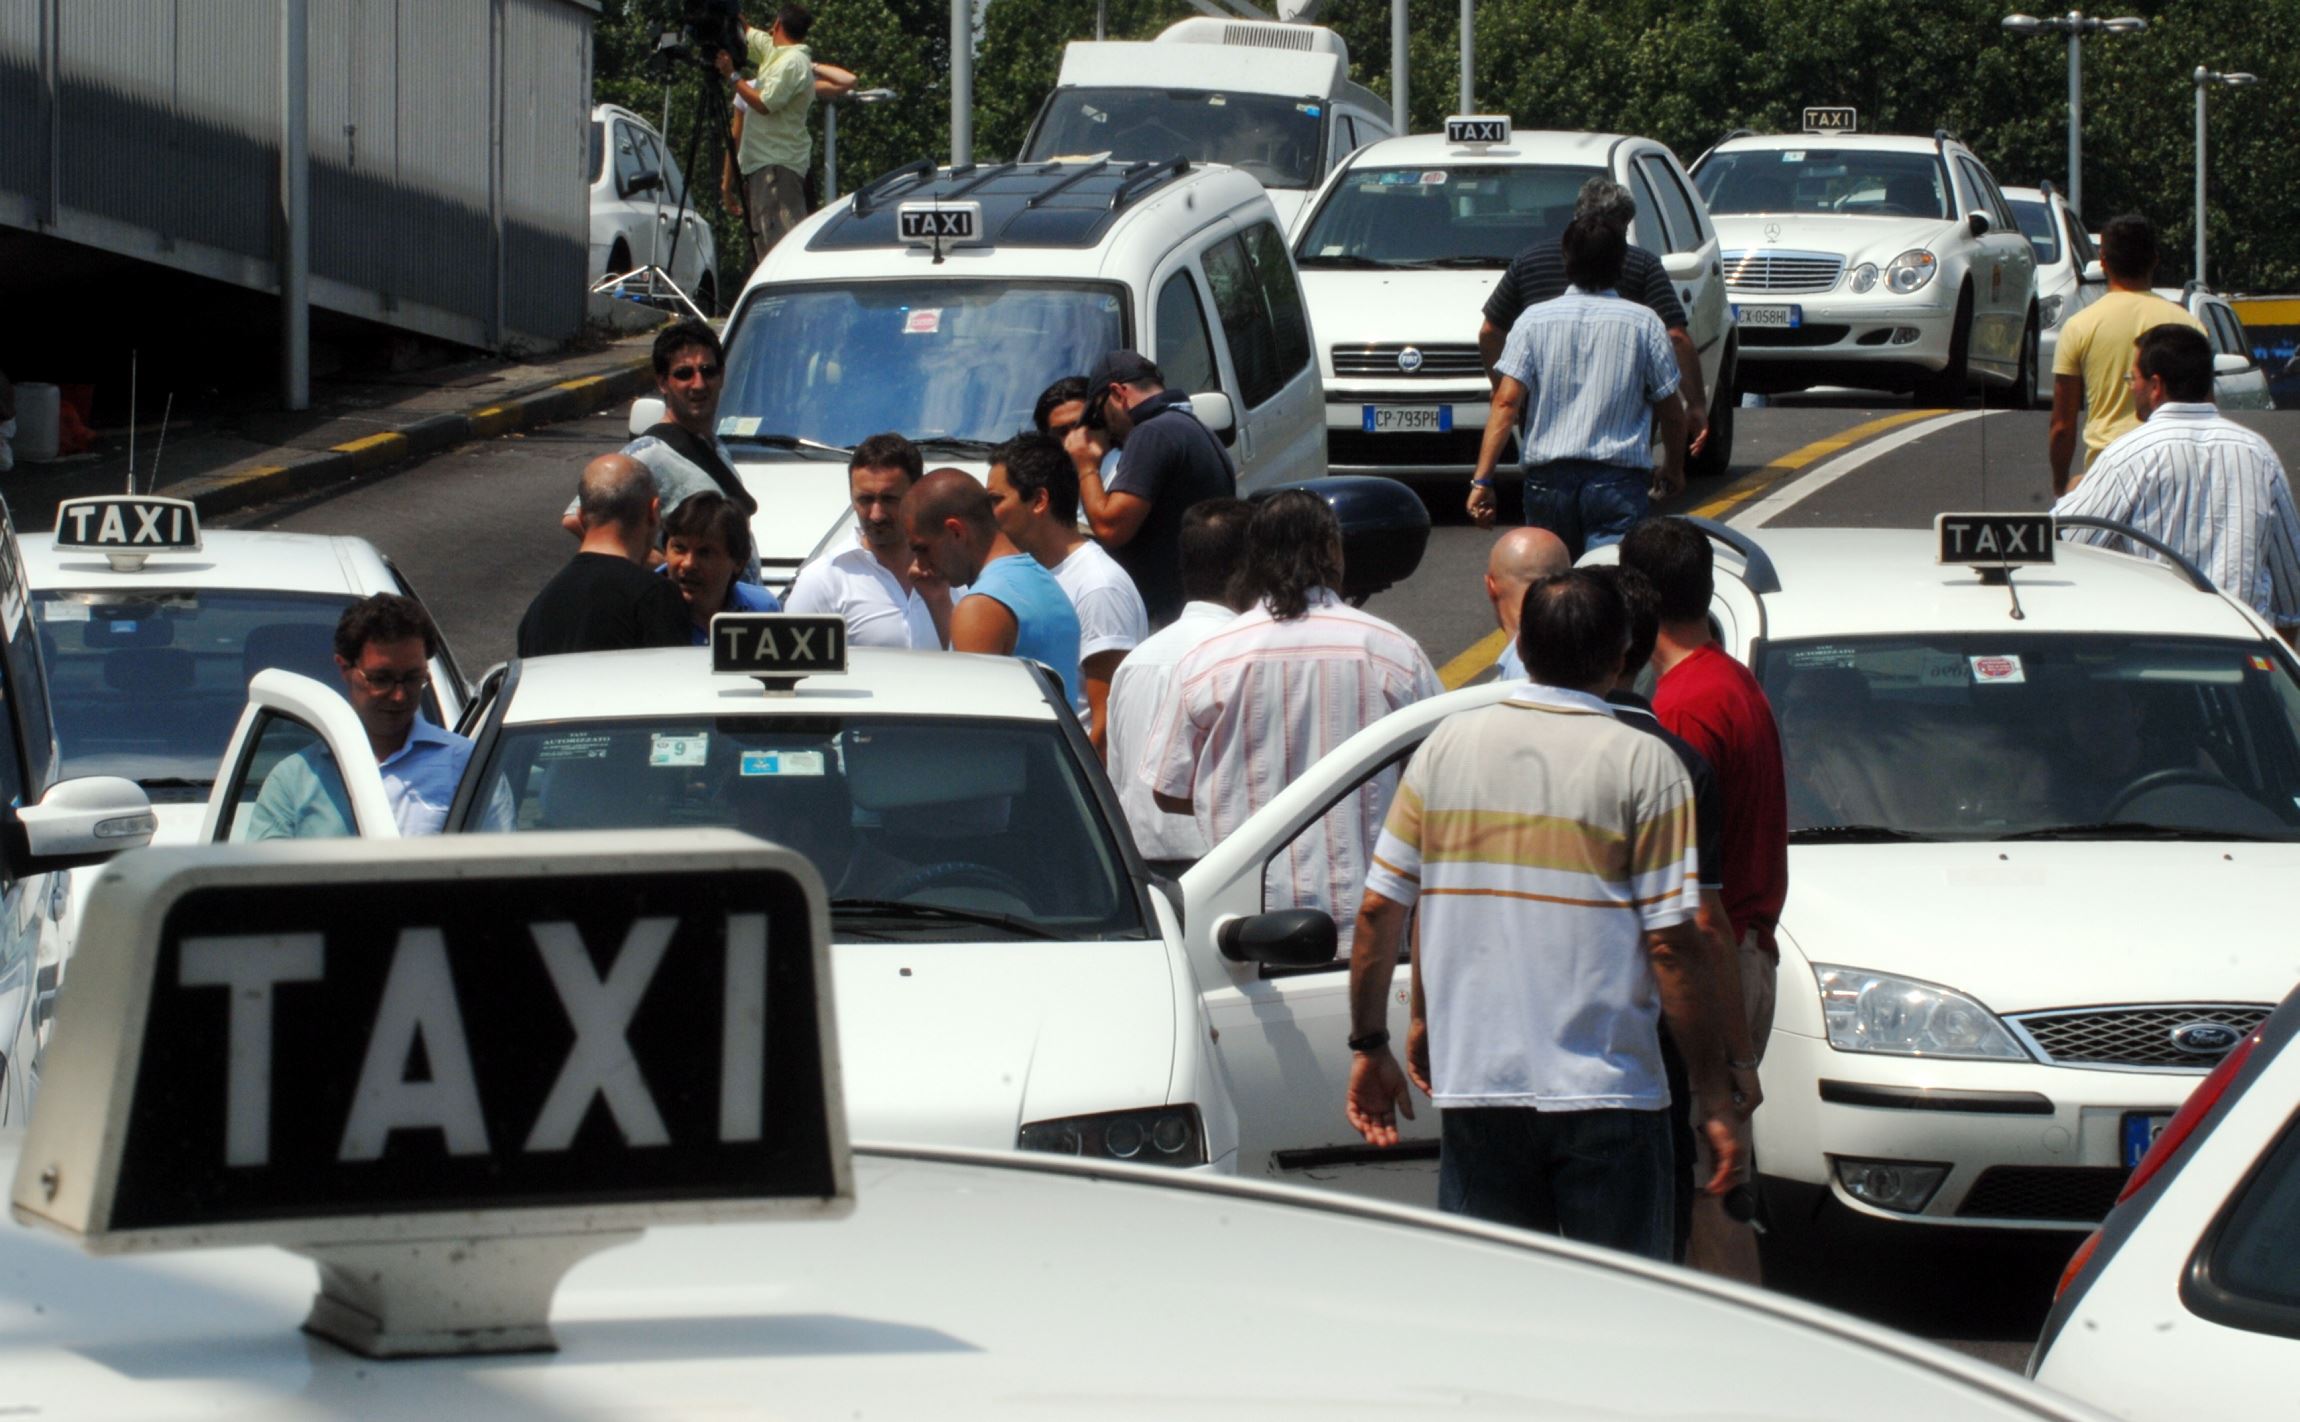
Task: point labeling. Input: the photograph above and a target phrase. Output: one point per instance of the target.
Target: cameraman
(773, 147)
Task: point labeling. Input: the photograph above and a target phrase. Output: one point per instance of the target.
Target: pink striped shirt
(1255, 705)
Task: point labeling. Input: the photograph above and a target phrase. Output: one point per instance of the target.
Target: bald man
(1013, 606)
(605, 599)
(1519, 556)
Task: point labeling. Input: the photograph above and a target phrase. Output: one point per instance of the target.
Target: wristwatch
(1371, 1041)
(1481, 483)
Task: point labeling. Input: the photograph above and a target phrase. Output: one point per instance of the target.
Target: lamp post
(2076, 25)
(1468, 57)
(831, 135)
(2205, 78)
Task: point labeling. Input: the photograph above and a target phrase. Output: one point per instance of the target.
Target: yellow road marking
(1455, 675)
(582, 382)
(373, 442)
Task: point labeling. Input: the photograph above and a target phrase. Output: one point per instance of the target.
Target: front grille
(1358, 447)
(2131, 1036)
(1793, 335)
(2076, 1194)
(1782, 271)
(1439, 362)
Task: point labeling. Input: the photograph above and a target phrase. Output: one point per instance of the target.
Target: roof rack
(2172, 555)
(981, 175)
(870, 194)
(1085, 171)
(1757, 566)
(1147, 176)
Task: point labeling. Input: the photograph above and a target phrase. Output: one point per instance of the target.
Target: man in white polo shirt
(870, 584)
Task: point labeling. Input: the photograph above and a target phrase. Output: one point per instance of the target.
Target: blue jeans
(1600, 1177)
(1587, 505)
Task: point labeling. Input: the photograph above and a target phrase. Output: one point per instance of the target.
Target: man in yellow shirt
(2095, 351)
(773, 145)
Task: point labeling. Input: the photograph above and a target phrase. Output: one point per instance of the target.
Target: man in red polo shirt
(1713, 702)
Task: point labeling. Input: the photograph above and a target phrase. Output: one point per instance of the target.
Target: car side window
(1977, 187)
(1184, 352)
(286, 786)
(650, 155)
(1997, 203)
(1654, 232)
(1676, 207)
(2227, 337)
(1293, 872)
(674, 182)
(2250, 1257)
(1282, 295)
(1245, 321)
(628, 164)
(2079, 238)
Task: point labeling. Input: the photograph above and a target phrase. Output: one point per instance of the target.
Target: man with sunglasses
(1168, 462)
(383, 651)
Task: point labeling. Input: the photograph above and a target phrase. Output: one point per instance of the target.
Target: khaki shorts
(777, 199)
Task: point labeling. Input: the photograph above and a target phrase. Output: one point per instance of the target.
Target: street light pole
(1398, 67)
(831, 109)
(2205, 77)
(1468, 57)
(961, 83)
(2076, 25)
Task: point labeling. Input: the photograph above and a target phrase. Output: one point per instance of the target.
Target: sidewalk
(356, 426)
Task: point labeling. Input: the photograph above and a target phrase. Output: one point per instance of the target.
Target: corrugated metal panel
(226, 136)
(23, 150)
(546, 150)
(438, 226)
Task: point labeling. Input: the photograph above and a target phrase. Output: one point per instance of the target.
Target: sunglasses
(410, 683)
(689, 372)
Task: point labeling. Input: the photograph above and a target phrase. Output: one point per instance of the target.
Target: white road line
(1763, 511)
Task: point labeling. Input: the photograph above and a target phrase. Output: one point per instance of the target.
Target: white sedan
(2238, 382)
(2068, 273)
(636, 188)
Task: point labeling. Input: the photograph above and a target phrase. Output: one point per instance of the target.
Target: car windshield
(1471, 217)
(1274, 139)
(1990, 736)
(943, 829)
(1835, 182)
(148, 683)
(2036, 224)
(941, 358)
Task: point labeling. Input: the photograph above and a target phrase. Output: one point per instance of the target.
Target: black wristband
(1373, 1041)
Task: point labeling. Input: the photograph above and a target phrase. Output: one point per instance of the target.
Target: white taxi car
(636, 192)
(1402, 246)
(1873, 260)
(2068, 278)
(2008, 835)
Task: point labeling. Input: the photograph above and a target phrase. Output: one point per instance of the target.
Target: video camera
(698, 30)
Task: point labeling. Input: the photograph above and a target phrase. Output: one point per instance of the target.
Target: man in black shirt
(1538, 274)
(605, 599)
(1167, 461)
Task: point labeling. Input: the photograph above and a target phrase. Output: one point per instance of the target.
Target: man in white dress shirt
(870, 584)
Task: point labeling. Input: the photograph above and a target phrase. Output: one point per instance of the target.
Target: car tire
(618, 258)
(1717, 458)
(1945, 388)
(2021, 394)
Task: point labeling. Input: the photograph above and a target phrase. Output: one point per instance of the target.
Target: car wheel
(1945, 388)
(619, 258)
(1717, 458)
(2021, 394)
(707, 294)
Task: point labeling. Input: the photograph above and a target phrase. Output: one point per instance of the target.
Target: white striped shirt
(1592, 367)
(2212, 489)
(1257, 704)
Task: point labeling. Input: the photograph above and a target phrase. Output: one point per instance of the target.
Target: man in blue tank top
(1013, 606)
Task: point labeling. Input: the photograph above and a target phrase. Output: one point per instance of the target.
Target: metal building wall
(447, 148)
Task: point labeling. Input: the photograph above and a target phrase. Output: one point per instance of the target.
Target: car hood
(2029, 926)
(1859, 239)
(1360, 308)
(804, 508)
(961, 1043)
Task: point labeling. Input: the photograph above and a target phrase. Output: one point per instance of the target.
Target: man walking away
(1519, 556)
(1213, 545)
(2198, 480)
(605, 599)
(2094, 355)
(1013, 607)
(1167, 462)
(1034, 491)
(1551, 852)
(1259, 702)
(1582, 379)
(870, 584)
(706, 541)
(773, 147)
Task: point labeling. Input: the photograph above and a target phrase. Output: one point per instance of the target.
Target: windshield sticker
(1311, 109)
(678, 750)
(1941, 669)
(742, 426)
(576, 745)
(1434, 178)
(923, 322)
(78, 612)
(2006, 670)
(2260, 664)
(782, 762)
(1218, 101)
(1821, 657)
(1792, 155)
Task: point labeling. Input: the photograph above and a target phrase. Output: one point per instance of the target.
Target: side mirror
(1289, 938)
(2094, 274)
(1979, 223)
(1214, 411)
(83, 820)
(642, 183)
(646, 413)
(1682, 266)
(2229, 363)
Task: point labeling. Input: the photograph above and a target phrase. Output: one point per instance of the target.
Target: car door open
(298, 767)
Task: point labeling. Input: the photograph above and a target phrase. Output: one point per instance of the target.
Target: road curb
(568, 399)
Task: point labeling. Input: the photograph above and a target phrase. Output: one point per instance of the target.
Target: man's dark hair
(1572, 630)
(1213, 547)
(1676, 557)
(385, 617)
(2182, 356)
(795, 21)
(888, 451)
(1036, 463)
(1061, 392)
(1644, 603)
(715, 517)
(2128, 248)
(1293, 548)
(1594, 249)
(678, 336)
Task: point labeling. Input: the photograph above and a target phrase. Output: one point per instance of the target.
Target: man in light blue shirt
(1582, 379)
(383, 649)
(1013, 607)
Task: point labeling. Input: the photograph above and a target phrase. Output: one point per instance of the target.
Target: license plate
(1407, 419)
(1788, 317)
(2141, 1128)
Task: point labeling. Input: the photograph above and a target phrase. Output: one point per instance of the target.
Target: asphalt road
(476, 530)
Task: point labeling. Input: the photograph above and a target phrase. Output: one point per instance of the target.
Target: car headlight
(1910, 271)
(1155, 1135)
(1864, 277)
(1877, 1012)
(2048, 312)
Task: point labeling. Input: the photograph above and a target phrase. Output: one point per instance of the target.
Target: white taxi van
(1274, 101)
(1884, 261)
(620, 1184)
(938, 303)
(1401, 248)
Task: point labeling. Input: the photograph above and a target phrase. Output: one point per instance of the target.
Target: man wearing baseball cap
(1168, 462)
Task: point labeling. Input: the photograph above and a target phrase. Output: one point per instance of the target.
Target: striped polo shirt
(1543, 840)
(1592, 367)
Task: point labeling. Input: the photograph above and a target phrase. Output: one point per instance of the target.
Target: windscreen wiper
(938, 913)
(2135, 829)
(788, 441)
(956, 444)
(1351, 261)
(1494, 263)
(1855, 834)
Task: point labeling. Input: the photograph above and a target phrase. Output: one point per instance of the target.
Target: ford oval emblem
(1410, 359)
(2204, 1039)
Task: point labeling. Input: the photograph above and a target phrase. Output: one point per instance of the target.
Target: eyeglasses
(689, 372)
(410, 683)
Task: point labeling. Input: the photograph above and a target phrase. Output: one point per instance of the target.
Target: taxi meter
(127, 528)
(446, 1070)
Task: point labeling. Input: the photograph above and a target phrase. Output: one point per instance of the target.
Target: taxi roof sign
(1993, 540)
(937, 225)
(778, 648)
(127, 528)
(1477, 130)
(1832, 118)
(613, 1030)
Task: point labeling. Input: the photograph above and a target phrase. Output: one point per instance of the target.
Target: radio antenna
(159, 447)
(131, 422)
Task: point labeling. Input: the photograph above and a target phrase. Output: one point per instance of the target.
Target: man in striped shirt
(1256, 704)
(1582, 379)
(2198, 480)
(1552, 852)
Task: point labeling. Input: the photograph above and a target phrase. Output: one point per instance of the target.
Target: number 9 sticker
(679, 750)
